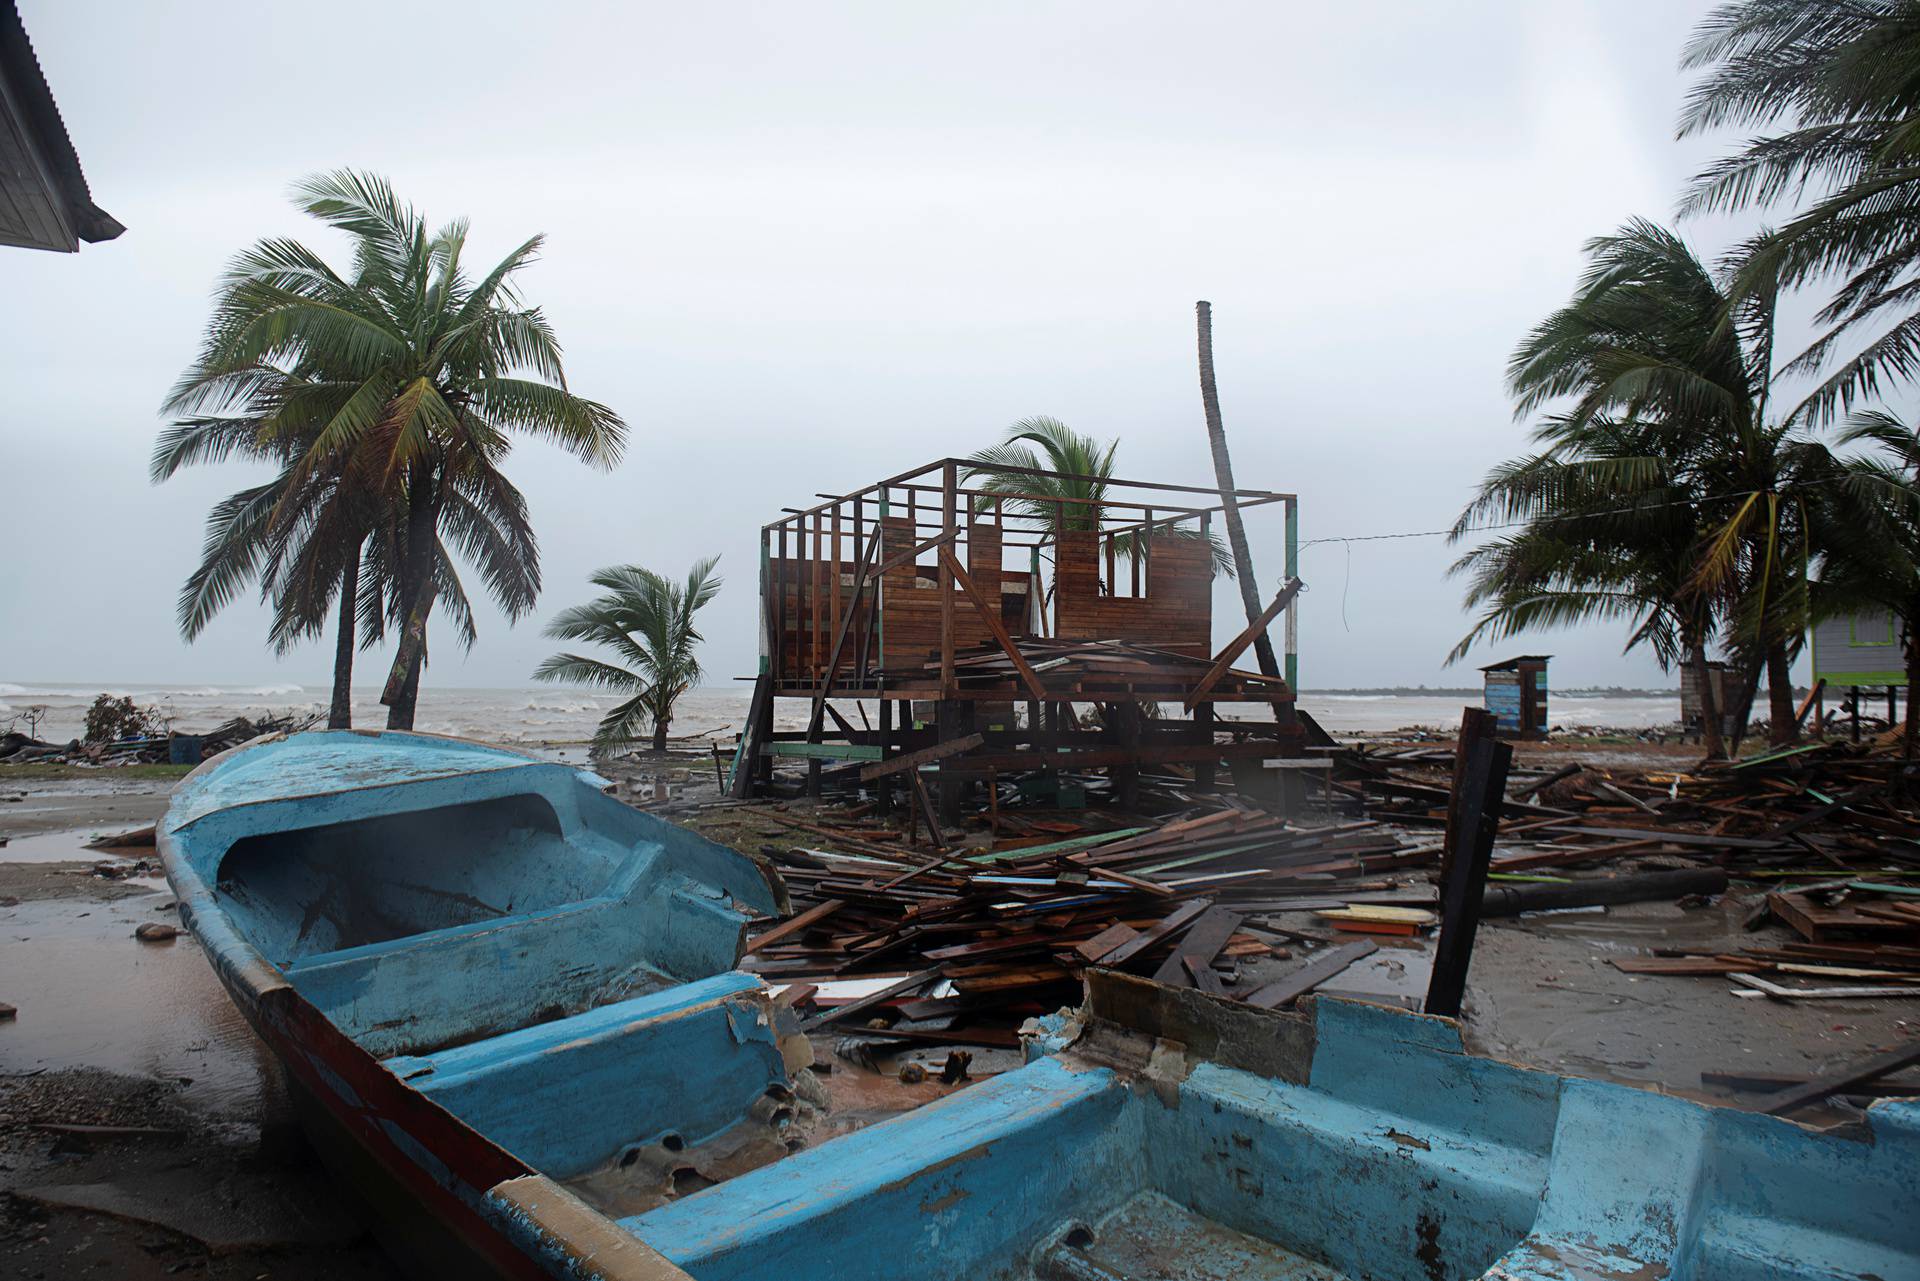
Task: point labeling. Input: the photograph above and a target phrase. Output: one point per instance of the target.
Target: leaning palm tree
(408, 379)
(1607, 534)
(646, 621)
(1666, 375)
(1836, 82)
(275, 532)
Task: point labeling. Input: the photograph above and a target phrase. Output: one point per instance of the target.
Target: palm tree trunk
(340, 715)
(1711, 737)
(1782, 730)
(659, 734)
(1743, 709)
(1230, 506)
(402, 691)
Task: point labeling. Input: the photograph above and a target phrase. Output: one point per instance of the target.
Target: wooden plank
(1779, 993)
(914, 553)
(925, 756)
(990, 615)
(1223, 661)
(1202, 943)
(865, 1003)
(1174, 920)
(794, 925)
(1322, 967)
(1201, 975)
(1688, 965)
(1095, 949)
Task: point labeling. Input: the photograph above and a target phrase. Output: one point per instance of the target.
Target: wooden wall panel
(1176, 613)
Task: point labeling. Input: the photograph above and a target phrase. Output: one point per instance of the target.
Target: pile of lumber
(973, 941)
(1857, 939)
(1824, 807)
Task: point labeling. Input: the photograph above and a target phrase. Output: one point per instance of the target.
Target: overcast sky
(803, 247)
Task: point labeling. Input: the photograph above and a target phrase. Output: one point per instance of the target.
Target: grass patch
(41, 771)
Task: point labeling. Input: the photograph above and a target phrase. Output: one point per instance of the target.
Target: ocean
(562, 714)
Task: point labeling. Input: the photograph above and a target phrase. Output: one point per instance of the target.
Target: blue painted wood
(950, 1190)
(569, 1096)
(1401, 1158)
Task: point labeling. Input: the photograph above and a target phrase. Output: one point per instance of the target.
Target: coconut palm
(646, 621)
(1840, 82)
(1668, 373)
(406, 381)
(1083, 465)
(274, 533)
(1607, 534)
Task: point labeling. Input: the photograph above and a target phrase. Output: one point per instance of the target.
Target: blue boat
(508, 1008)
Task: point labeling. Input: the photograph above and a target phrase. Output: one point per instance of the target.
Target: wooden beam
(1862, 1072)
(840, 640)
(950, 524)
(793, 925)
(1203, 942)
(1223, 662)
(865, 1003)
(925, 756)
(1465, 885)
(991, 617)
(1311, 975)
(914, 553)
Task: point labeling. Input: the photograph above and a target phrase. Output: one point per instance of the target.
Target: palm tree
(1046, 445)
(1607, 534)
(405, 381)
(1668, 374)
(276, 532)
(1841, 77)
(647, 622)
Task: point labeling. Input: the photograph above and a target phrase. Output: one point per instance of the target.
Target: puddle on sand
(90, 995)
(66, 847)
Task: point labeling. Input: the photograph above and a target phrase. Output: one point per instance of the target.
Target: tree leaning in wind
(1665, 375)
(1839, 81)
(389, 397)
(646, 621)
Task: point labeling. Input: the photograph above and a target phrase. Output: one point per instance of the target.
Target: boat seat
(424, 991)
(571, 1095)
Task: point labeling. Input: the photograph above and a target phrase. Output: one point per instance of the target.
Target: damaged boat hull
(1154, 1132)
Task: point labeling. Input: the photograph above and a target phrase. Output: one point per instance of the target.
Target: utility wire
(1541, 520)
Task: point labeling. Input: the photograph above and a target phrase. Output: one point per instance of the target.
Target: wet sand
(136, 1036)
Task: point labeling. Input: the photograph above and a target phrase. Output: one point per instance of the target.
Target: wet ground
(199, 1174)
(143, 1131)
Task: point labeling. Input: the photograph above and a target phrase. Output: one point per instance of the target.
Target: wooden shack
(1516, 694)
(1693, 709)
(1007, 618)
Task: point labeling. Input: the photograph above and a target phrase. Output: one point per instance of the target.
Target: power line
(1540, 520)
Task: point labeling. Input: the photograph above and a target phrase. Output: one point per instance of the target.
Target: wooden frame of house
(949, 604)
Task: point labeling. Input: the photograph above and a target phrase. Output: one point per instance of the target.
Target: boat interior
(556, 970)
